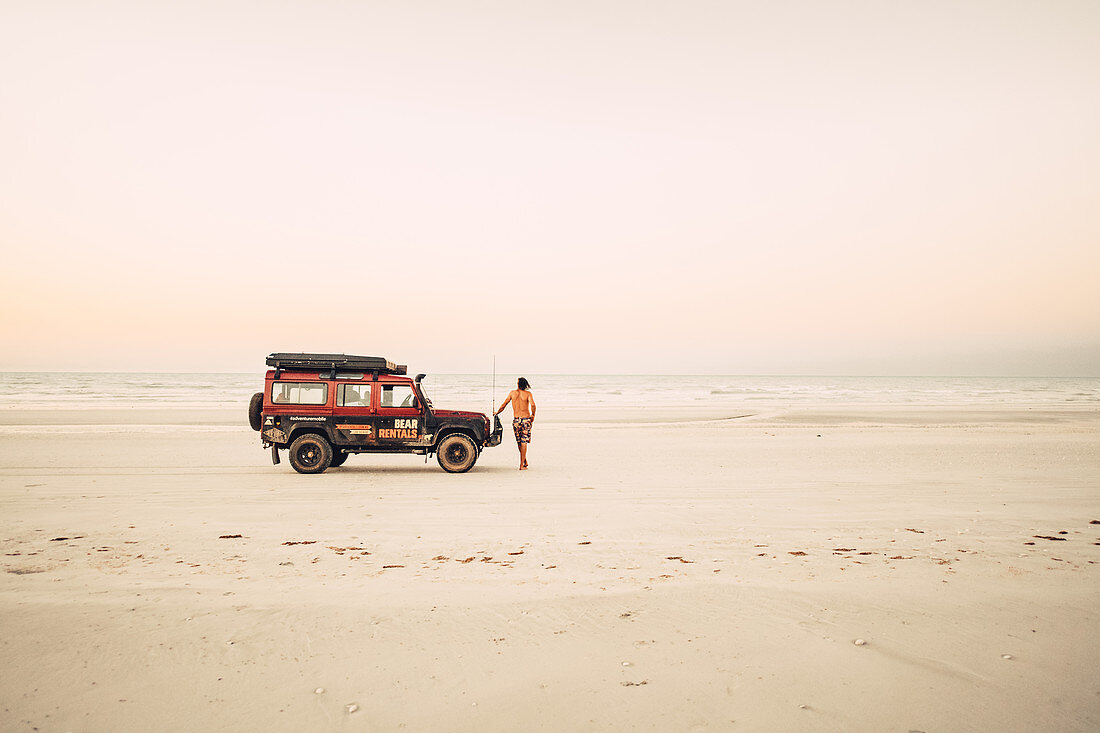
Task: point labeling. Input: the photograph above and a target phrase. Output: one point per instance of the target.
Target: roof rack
(299, 361)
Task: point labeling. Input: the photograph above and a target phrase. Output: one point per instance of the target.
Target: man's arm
(504, 404)
(532, 398)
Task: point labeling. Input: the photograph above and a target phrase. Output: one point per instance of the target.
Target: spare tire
(255, 407)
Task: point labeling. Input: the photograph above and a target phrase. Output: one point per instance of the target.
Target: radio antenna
(493, 406)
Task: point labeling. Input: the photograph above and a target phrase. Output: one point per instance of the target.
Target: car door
(353, 412)
(399, 419)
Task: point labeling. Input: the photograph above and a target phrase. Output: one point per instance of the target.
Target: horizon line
(606, 374)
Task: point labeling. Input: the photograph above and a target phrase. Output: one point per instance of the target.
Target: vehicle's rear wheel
(338, 458)
(456, 453)
(255, 408)
(310, 454)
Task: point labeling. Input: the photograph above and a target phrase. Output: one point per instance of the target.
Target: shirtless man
(523, 411)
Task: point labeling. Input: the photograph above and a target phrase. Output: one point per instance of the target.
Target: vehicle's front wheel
(310, 454)
(456, 453)
(338, 457)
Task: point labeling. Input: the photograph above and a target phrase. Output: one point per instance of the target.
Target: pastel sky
(793, 186)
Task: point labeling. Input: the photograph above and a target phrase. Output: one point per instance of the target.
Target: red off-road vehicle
(324, 407)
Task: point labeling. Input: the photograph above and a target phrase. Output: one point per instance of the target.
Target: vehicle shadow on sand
(416, 470)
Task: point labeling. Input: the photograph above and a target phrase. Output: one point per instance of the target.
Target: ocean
(74, 390)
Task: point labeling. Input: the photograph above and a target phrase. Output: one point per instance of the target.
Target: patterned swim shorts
(521, 426)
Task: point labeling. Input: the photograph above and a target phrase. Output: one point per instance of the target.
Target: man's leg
(522, 428)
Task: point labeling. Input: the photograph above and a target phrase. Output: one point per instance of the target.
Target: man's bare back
(523, 403)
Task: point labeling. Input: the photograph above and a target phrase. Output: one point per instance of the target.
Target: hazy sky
(735, 187)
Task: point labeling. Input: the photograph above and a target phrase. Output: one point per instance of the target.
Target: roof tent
(333, 362)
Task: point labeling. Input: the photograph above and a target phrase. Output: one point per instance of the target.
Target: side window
(299, 393)
(398, 395)
(353, 395)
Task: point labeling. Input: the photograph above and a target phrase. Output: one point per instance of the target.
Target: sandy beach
(805, 294)
(668, 570)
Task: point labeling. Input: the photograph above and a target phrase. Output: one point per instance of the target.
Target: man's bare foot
(523, 467)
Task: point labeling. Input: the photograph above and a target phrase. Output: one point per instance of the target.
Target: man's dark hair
(523, 383)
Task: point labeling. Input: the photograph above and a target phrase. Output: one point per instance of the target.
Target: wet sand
(659, 570)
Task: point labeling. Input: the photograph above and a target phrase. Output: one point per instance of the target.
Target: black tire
(456, 453)
(255, 407)
(338, 458)
(310, 453)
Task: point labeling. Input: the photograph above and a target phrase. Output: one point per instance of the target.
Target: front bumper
(497, 435)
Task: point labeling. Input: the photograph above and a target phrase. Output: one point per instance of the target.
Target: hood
(460, 414)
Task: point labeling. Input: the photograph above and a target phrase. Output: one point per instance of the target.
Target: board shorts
(521, 426)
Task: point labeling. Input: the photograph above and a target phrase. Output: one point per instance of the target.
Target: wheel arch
(310, 430)
(453, 429)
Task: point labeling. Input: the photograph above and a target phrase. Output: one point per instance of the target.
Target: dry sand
(659, 570)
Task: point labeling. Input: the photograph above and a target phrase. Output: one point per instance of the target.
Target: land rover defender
(322, 408)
